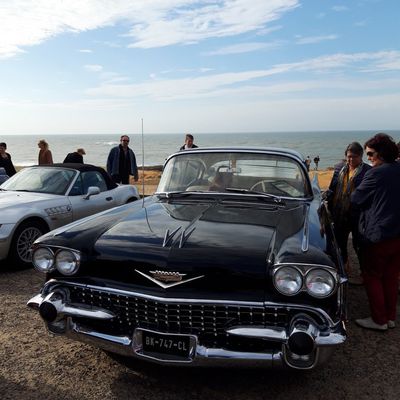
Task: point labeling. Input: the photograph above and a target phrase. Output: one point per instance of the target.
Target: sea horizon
(328, 145)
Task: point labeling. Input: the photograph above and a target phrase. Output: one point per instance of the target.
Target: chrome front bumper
(59, 318)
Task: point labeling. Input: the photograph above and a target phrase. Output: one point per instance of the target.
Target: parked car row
(231, 261)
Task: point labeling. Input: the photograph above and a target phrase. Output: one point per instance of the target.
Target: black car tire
(22, 241)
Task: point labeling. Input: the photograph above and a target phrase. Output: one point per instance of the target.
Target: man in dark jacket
(189, 143)
(75, 157)
(121, 162)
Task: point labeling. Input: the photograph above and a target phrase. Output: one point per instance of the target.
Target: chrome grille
(207, 321)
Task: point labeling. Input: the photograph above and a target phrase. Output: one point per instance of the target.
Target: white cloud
(210, 19)
(212, 84)
(243, 48)
(217, 85)
(93, 68)
(153, 23)
(85, 51)
(315, 39)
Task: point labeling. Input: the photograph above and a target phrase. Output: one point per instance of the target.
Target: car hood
(219, 247)
(12, 202)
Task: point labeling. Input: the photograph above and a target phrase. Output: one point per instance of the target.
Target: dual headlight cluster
(65, 261)
(317, 282)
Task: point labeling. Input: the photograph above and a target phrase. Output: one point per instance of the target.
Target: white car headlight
(43, 259)
(288, 280)
(67, 262)
(319, 283)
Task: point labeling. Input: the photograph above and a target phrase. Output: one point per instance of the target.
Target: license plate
(170, 345)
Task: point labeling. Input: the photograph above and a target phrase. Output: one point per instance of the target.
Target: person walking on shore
(76, 157)
(308, 163)
(316, 161)
(377, 199)
(121, 162)
(346, 178)
(45, 156)
(5, 160)
(189, 142)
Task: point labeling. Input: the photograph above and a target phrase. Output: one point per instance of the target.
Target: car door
(82, 206)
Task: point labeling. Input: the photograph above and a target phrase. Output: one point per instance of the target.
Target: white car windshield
(245, 172)
(41, 180)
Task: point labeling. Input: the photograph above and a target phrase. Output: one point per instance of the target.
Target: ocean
(329, 146)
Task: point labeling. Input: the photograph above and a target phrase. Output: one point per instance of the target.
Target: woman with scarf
(347, 176)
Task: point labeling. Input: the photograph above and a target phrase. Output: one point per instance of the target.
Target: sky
(105, 66)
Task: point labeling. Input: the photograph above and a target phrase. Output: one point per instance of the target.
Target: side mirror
(92, 190)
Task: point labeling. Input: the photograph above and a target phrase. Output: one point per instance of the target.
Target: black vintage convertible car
(231, 261)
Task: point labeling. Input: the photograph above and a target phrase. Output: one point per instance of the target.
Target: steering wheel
(263, 184)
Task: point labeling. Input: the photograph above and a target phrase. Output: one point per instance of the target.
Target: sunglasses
(125, 140)
(371, 153)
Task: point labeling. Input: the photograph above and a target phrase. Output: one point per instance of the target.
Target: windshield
(273, 174)
(41, 180)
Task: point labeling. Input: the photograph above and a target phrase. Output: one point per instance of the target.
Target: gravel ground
(34, 365)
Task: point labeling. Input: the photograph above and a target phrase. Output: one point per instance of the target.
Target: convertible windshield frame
(277, 175)
(55, 181)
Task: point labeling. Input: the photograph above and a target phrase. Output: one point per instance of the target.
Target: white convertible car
(41, 198)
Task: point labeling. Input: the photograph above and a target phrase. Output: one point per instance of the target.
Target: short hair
(3, 144)
(189, 136)
(124, 136)
(354, 147)
(384, 145)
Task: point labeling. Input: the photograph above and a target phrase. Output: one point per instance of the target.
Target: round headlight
(320, 283)
(43, 259)
(67, 262)
(288, 280)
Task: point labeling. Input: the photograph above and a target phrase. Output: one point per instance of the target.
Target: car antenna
(142, 166)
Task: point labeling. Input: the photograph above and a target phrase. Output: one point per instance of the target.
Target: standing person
(189, 142)
(346, 178)
(377, 199)
(121, 162)
(5, 160)
(45, 156)
(308, 163)
(316, 161)
(75, 157)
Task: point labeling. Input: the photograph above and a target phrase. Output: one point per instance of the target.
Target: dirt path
(34, 365)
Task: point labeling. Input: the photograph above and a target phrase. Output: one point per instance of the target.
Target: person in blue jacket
(121, 162)
(377, 200)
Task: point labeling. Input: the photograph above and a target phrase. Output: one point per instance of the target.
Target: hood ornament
(171, 278)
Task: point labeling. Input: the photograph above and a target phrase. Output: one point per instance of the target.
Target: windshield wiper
(264, 195)
(177, 194)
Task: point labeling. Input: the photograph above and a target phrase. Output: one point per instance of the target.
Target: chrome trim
(35, 245)
(167, 285)
(151, 297)
(58, 301)
(203, 356)
(271, 333)
(295, 306)
(306, 231)
(169, 236)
